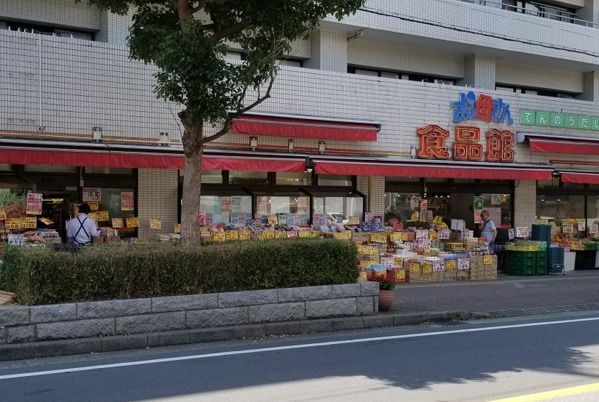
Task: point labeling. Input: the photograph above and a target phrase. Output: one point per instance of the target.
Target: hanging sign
(568, 228)
(582, 226)
(127, 201)
(118, 223)
(92, 194)
(34, 203)
(155, 224)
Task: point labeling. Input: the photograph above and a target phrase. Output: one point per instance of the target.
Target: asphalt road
(475, 361)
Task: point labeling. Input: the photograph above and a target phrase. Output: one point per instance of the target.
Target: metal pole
(39, 48)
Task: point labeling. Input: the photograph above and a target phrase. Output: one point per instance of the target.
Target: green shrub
(118, 271)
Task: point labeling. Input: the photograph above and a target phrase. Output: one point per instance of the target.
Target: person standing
(488, 229)
(81, 230)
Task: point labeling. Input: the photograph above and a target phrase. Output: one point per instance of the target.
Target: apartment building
(446, 106)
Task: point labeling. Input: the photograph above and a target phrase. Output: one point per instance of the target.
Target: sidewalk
(576, 290)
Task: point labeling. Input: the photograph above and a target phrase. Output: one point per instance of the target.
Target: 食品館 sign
(466, 146)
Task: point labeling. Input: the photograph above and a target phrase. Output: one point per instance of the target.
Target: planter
(386, 299)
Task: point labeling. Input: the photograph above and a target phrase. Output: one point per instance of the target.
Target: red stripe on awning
(440, 171)
(578, 177)
(301, 128)
(146, 161)
(563, 146)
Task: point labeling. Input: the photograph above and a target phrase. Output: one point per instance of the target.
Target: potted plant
(386, 295)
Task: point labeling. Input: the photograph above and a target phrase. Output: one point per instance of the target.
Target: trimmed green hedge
(116, 271)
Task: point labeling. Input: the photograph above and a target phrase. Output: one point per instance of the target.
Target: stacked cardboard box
(451, 268)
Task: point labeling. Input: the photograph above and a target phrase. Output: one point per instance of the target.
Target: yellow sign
(133, 222)
(177, 228)
(400, 274)
(2, 215)
(395, 236)
(363, 276)
(102, 216)
(272, 220)
(267, 235)
(488, 260)
(232, 235)
(220, 236)
(304, 234)
(378, 238)
(155, 224)
(452, 264)
(245, 235)
(30, 223)
(427, 268)
(414, 268)
(280, 234)
(315, 234)
(13, 223)
(118, 223)
(345, 235)
(93, 206)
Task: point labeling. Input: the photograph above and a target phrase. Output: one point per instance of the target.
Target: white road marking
(292, 347)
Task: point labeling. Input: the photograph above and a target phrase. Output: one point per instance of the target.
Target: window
(290, 210)
(294, 179)
(291, 62)
(235, 209)
(534, 91)
(334, 180)
(242, 177)
(340, 209)
(108, 170)
(46, 30)
(401, 75)
(541, 9)
(50, 169)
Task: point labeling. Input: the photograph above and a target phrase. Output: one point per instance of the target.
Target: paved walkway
(575, 289)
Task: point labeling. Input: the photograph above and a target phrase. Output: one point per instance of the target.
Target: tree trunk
(192, 183)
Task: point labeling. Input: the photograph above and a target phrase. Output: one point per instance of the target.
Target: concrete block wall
(21, 324)
(158, 198)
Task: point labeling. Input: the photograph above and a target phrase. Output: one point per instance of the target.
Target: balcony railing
(540, 10)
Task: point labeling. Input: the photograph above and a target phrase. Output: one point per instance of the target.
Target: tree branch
(201, 5)
(230, 30)
(229, 119)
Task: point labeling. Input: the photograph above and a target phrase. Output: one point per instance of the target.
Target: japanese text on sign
(484, 108)
(92, 194)
(34, 203)
(500, 144)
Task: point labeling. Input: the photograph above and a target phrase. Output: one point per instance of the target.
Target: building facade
(447, 104)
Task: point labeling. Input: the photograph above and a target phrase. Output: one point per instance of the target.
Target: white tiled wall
(525, 203)
(157, 199)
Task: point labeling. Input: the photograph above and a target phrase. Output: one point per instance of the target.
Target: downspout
(40, 114)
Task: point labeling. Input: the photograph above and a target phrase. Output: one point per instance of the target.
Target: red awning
(563, 146)
(146, 160)
(304, 128)
(430, 170)
(580, 177)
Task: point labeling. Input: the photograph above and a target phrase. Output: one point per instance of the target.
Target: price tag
(232, 235)
(511, 234)
(395, 236)
(378, 238)
(594, 229)
(568, 228)
(102, 216)
(400, 275)
(343, 235)
(427, 268)
(463, 264)
(245, 235)
(29, 223)
(118, 223)
(438, 266)
(292, 234)
(488, 260)
(451, 264)
(582, 227)
(132, 222)
(522, 232)
(155, 224)
(444, 234)
(304, 234)
(219, 236)
(414, 268)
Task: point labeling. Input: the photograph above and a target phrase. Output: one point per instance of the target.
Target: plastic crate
(522, 271)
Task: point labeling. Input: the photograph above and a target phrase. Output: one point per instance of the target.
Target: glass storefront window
(241, 177)
(401, 206)
(592, 213)
(294, 179)
(50, 169)
(562, 209)
(340, 209)
(290, 210)
(234, 209)
(498, 205)
(334, 180)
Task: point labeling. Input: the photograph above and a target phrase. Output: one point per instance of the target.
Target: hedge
(116, 271)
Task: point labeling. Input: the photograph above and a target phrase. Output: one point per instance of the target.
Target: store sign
(34, 203)
(499, 144)
(556, 119)
(485, 108)
(93, 194)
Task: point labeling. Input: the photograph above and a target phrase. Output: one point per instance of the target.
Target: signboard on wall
(544, 118)
(34, 203)
(93, 194)
(127, 201)
(483, 108)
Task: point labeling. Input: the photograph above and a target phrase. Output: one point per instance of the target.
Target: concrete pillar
(590, 86)
(373, 187)
(157, 198)
(329, 51)
(479, 71)
(113, 28)
(525, 203)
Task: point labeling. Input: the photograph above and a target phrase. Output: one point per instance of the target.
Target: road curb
(32, 350)
(20, 351)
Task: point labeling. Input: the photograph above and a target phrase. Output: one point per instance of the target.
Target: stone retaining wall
(20, 324)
